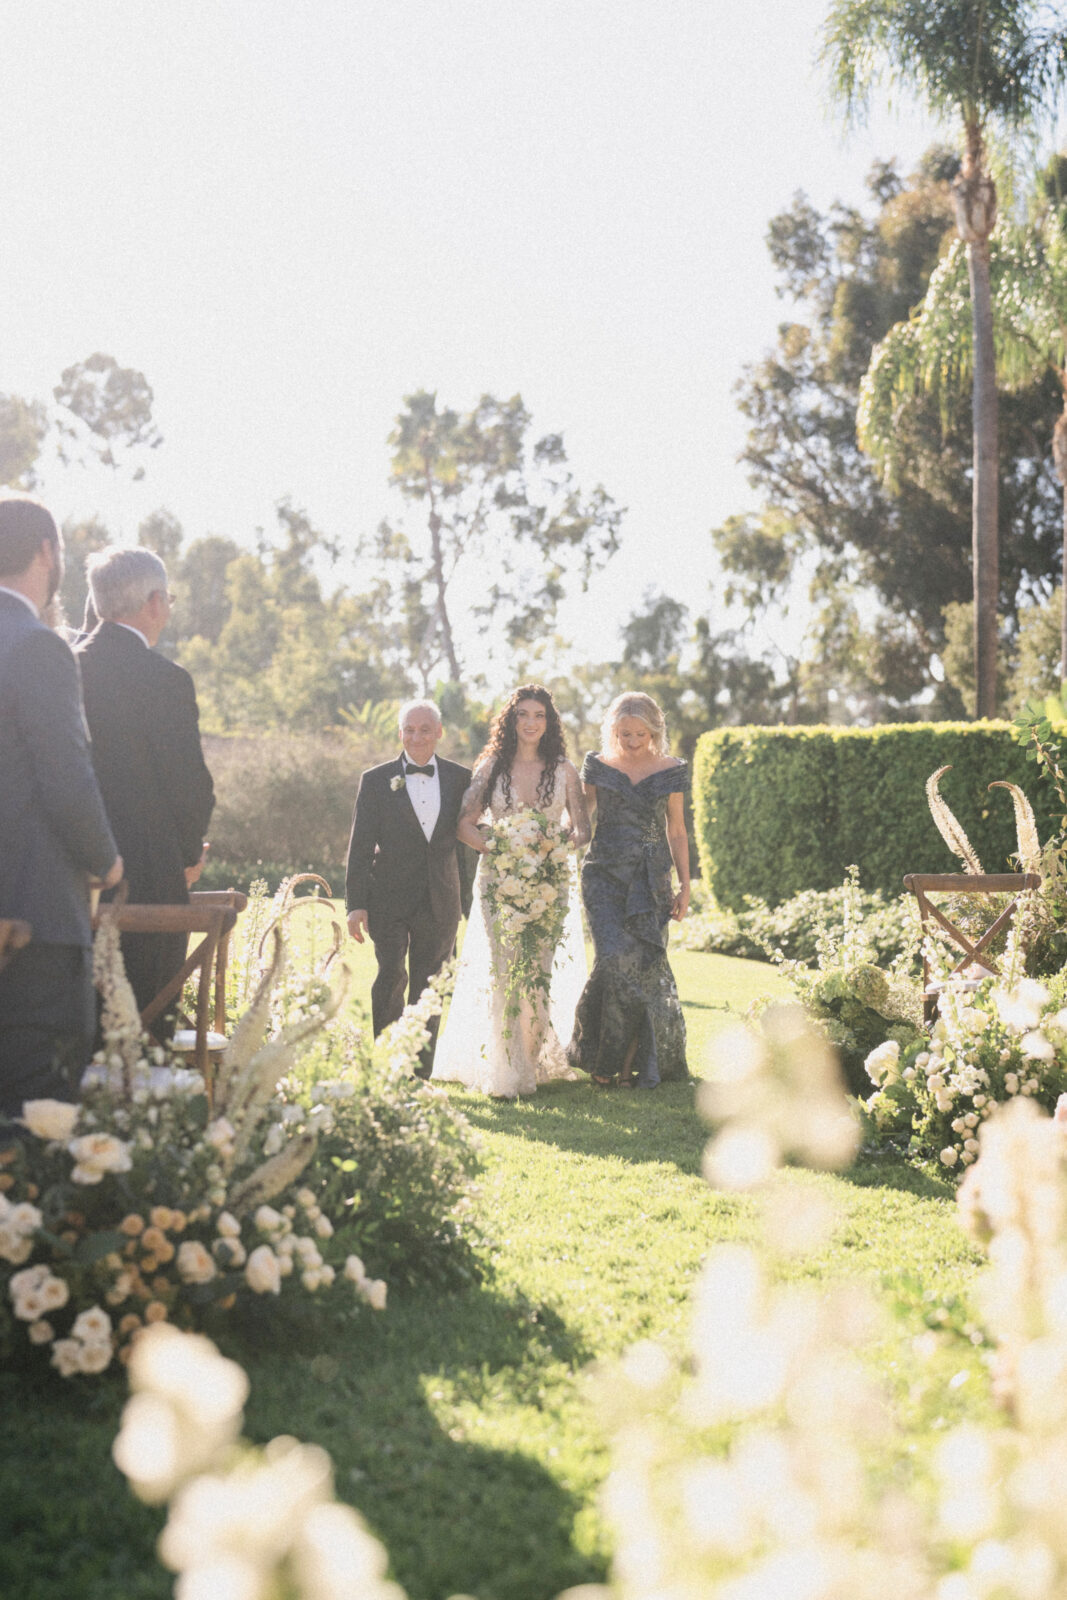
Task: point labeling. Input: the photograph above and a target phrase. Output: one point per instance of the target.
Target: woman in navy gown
(629, 1026)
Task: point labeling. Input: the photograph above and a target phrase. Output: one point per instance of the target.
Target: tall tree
(982, 64)
(505, 522)
(108, 407)
(23, 425)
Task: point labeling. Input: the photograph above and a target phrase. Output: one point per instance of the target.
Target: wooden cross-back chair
(211, 914)
(923, 884)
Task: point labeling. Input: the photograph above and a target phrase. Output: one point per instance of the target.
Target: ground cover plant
(461, 1423)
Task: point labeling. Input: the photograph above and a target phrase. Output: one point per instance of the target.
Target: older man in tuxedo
(54, 831)
(145, 732)
(404, 882)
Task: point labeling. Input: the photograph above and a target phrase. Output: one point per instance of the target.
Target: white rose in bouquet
(50, 1119)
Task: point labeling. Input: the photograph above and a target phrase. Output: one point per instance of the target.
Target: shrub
(781, 810)
(890, 927)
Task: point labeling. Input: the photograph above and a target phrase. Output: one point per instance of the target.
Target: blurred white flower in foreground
(244, 1524)
(780, 1094)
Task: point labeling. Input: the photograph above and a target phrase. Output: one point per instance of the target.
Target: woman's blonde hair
(634, 705)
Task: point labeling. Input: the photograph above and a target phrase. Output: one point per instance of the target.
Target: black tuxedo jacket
(53, 827)
(145, 732)
(391, 864)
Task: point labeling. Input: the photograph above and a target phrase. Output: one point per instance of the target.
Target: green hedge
(780, 810)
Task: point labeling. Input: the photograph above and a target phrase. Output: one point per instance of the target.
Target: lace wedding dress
(510, 1056)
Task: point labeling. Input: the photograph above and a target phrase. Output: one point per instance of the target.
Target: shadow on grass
(408, 1410)
(638, 1125)
(401, 1402)
(894, 1172)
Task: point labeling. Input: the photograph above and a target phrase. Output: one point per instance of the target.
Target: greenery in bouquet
(524, 887)
(146, 1202)
(989, 1046)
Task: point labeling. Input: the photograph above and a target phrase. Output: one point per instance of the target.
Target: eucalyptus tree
(505, 520)
(984, 65)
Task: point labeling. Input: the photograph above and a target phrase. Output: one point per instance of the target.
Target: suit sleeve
(361, 844)
(182, 767)
(52, 723)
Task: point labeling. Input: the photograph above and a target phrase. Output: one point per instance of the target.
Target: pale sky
(288, 215)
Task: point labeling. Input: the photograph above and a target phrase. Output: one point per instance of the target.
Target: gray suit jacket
(54, 831)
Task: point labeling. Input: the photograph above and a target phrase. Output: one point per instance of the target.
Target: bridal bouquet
(524, 886)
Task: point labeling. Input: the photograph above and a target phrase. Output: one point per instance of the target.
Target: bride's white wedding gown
(473, 1048)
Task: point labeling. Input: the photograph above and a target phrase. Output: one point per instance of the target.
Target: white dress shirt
(425, 794)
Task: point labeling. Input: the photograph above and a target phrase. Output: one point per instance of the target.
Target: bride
(523, 767)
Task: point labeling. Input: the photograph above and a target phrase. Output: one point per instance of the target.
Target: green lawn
(461, 1425)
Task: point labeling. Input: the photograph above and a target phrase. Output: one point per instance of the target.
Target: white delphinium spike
(247, 1036)
(260, 1078)
(120, 1020)
(947, 825)
(275, 1175)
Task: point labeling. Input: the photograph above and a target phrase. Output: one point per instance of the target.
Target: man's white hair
(121, 579)
(419, 705)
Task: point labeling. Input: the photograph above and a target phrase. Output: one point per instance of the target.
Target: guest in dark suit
(145, 731)
(404, 882)
(54, 831)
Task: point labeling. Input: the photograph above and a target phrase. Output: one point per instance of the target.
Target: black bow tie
(426, 772)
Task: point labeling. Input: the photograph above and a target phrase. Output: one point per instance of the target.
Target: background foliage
(786, 809)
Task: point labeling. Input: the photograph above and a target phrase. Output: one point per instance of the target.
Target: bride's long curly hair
(503, 744)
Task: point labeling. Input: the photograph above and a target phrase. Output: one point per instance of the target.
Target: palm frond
(947, 825)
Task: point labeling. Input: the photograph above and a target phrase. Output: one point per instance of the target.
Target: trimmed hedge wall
(779, 810)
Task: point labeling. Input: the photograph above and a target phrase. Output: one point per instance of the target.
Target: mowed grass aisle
(461, 1425)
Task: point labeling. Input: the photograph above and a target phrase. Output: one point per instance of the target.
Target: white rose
(95, 1356)
(262, 1273)
(374, 1292)
(267, 1220)
(228, 1225)
(305, 1198)
(50, 1119)
(229, 1253)
(1011, 1082)
(193, 1263)
(55, 1293)
(41, 1332)
(92, 1326)
(1036, 1047)
(66, 1357)
(323, 1227)
(356, 1272)
(14, 1246)
(949, 1156)
(935, 1083)
(882, 1064)
(97, 1153)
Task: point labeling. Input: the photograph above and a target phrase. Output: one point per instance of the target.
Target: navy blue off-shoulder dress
(626, 890)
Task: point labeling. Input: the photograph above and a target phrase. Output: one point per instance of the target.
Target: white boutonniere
(397, 782)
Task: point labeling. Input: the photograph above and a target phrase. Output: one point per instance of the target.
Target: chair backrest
(211, 914)
(923, 884)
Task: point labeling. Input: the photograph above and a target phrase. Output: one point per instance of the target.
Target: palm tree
(982, 64)
(934, 349)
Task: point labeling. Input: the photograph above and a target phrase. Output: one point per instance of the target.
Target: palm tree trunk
(975, 197)
(984, 510)
(1059, 459)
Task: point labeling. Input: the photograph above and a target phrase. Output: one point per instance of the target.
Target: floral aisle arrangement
(524, 886)
(989, 1045)
(145, 1204)
(856, 1003)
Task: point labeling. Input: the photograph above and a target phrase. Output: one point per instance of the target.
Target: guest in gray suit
(54, 832)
